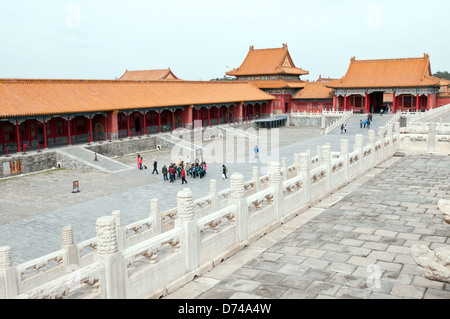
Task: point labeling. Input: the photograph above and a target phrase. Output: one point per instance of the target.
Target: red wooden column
(345, 102)
(159, 121)
(75, 130)
(106, 127)
(68, 131)
(335, 102)
(417, 102)
(145, 125)
(209, 117)
(367, 103)
(394, 103)
(91, 138)
(228, 114)
(128, 126)
(18, 136)
(429, 102)
(45, 134)
(173, 120)
(2, 138)
(218, 115)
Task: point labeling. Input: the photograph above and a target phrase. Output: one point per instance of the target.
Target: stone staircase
(86, 157)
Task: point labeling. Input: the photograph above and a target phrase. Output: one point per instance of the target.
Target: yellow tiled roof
(411, 72)
(278, 84)
(315, 91)
(149, 75)
(267, 61)
(41, 97)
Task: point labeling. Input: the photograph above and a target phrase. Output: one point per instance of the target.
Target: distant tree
(225, 78)
(442, 75)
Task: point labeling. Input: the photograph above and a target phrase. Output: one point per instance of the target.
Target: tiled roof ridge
(86, 81)
(353, 60)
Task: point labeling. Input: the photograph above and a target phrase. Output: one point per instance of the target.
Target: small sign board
(76, 187)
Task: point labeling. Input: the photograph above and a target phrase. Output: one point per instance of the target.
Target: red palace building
(41, 113)
(274, 72)
(407, 84)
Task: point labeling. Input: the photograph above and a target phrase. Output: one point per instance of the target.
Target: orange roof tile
(41, 97)
(267, 61)
(149, 75)
(410, 72)
(315, 91)
(278, 84)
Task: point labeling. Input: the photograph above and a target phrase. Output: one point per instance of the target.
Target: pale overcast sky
(202, 39)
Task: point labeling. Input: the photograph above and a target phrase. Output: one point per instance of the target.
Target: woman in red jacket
(183, 175)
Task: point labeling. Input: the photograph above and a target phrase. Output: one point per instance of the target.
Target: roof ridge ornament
(251, 48)
(353, 59)
(285, 46)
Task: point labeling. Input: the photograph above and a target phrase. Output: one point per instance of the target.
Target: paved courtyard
(355, 244)
(325, 252)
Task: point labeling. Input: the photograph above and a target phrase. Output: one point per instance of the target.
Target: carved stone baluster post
(344, 154)
(214, 194)
(8, 274)
(319, 155)
(326, 160)
(70, 248)
(284, 168)
(396, 135)
(156, 214)
(112, 258)
(305, 169)
(371, 142)
(390, 136)
(255, 177)
(186, 219)
(237, 198)
(296, 163)
(359, 147)
(120, 230)
(275, 181)
(381, 140)
(431, 147)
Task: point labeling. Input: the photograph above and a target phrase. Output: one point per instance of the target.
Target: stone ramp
(353, 124)
(86, 157)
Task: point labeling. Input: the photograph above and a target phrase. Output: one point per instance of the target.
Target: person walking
(224, 172)
(345, 128)
(164, 172)
(139, 161)
(256, 149)
(342, 129)
(183, 176)
(360, 123)
(155, 167)
(365, 122)
(95, 157)
(171, 173)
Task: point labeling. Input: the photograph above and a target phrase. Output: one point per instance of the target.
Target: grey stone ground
(357, 247)
(319, 251)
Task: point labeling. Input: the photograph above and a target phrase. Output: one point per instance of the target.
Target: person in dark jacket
(224, 172)
(164, 172)
(155, 167)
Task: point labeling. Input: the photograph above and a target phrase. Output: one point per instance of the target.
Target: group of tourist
(366, 123)
(179, 171)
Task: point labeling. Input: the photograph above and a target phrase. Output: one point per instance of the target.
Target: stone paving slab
(317, 257)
